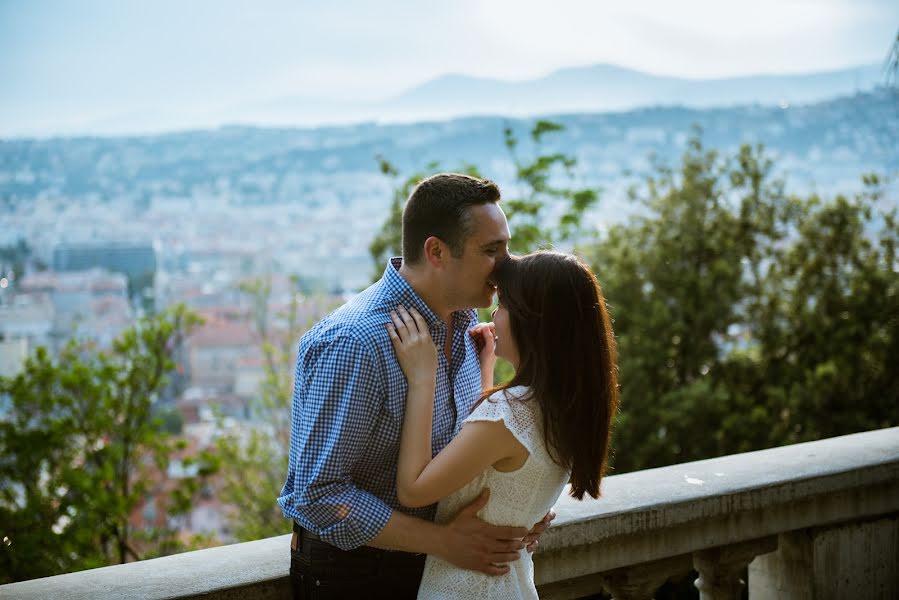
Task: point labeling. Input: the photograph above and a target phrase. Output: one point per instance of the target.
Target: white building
(29, 317)
(12, 356)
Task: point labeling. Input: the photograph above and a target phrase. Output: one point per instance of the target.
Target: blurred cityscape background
(166, 248)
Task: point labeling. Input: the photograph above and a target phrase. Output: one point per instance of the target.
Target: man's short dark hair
(439, 207)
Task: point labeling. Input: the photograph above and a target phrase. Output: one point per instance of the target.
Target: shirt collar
(401, 292)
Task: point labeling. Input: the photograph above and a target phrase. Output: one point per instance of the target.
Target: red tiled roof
(223, 333)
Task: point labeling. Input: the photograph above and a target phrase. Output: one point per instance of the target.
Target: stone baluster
(720, 569)
(641, 581)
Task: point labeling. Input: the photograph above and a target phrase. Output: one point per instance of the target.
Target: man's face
(486, 247)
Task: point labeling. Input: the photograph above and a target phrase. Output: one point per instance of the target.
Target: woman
(526, 439)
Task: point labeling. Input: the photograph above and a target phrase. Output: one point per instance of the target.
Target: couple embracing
(410, 474)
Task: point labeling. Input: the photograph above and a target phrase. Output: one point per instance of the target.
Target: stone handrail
(809, 512)
(717, 513)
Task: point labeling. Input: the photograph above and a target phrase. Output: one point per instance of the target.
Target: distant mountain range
(577, 90)
(597, 88)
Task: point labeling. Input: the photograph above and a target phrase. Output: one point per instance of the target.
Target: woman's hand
(484, 335)
(415, 350)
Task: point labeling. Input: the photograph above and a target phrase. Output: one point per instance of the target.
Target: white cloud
(693, 38)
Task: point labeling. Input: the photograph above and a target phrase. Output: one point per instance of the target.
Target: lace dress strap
(517, 412)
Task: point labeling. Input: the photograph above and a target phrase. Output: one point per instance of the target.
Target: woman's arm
(478, 445)
(420, 480)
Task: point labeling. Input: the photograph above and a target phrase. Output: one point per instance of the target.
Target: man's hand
(472, 544)
(533, 536)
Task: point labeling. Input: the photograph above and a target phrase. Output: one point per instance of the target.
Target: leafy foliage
(82, 447)
(746, 318)
(537, 180)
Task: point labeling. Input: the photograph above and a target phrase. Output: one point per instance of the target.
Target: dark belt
(389, 556)
(305, 534)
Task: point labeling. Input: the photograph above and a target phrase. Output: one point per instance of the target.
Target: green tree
(672, 279)
(82, 448)
(830, 309)
(747, 318)
(543, 182)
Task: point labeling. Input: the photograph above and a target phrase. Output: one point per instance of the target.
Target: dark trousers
(320, 571)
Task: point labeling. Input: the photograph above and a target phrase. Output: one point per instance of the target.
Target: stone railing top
(670, 496)
(189, 574)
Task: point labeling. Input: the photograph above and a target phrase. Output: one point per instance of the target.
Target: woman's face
(505, 343)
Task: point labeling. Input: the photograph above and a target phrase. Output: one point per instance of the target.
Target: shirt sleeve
(337, 398)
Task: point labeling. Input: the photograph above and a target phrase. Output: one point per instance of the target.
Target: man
(349, 399)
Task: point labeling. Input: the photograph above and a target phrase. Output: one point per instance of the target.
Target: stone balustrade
(817, 520)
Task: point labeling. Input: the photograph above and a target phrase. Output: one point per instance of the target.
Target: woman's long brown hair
(567, 357)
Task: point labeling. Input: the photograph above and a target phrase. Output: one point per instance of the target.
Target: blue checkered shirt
(348, 404)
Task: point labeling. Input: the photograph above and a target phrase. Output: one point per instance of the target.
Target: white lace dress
(519, 498)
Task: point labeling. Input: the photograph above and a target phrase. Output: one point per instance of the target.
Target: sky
(95, 66)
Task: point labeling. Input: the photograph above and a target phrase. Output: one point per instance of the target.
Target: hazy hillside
(590, 89)
(826, 143)
(607, 87)
(596, 88)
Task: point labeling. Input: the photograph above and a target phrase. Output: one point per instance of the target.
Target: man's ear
(435, 251)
